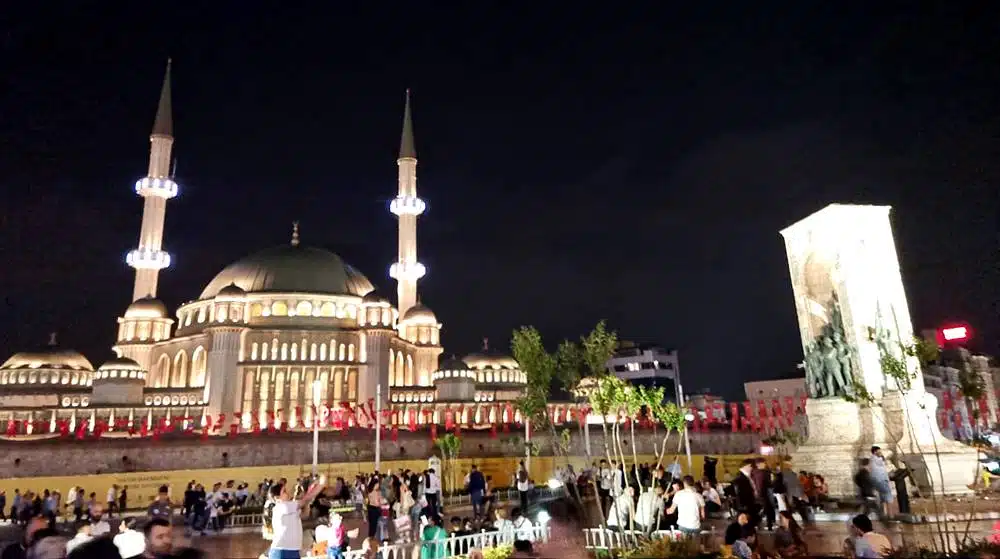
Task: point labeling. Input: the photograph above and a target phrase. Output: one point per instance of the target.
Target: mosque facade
(271, 335)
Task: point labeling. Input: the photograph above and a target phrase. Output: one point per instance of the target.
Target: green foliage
(569, 364)
(498, 552)
(667, 413)
(926, 351)
(539, 367)
(665, 547)
(598, 346)
(450, 445)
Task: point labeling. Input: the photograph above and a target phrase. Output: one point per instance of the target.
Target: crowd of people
(761, 495)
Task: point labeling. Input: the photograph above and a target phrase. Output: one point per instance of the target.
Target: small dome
(419, 314)
(147, 307)
(490, 361)
(119, 369)
(231, 291)
(49, 357)
(374, 297)
(452, 364)
(120, 364)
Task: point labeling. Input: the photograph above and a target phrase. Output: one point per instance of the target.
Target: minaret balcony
(150, 186)
(147, 259)
(407, 205)
(407, 271)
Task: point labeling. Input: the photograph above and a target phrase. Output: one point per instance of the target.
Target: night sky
(629, 165)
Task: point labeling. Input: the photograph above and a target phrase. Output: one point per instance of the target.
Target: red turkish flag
(734, 415)
(493, 431)
(395, 434)
(434, 431)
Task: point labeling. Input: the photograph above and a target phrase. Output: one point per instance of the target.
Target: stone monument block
(851, 309)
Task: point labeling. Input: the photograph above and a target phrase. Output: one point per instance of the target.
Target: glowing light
(555, 483)
(766, 450)
(955, 333)
(149, 186)
(146, 259)
(689, 417)
(407, 271)
(407, 205)
(543, 518)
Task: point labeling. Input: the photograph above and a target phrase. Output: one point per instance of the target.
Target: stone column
(225, 385)
(377, 353)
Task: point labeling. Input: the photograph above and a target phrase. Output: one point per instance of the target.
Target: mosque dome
(419, 314)
(291, 269)
(452, 363)
(120, 368)
(49, 357)
(147, 307)
(490, 360)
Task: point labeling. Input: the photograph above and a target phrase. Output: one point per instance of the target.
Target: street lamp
(378, 427)
(316, 419)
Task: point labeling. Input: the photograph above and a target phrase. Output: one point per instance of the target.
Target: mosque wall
(64, 458)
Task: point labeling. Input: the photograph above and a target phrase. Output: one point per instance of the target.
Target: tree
(450, 446)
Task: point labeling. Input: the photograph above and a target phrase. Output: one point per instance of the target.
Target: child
(333, 535)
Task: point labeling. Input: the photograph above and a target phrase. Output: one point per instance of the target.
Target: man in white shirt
(690, 508)
(286, 520)
(649, 509)
(621, 510)
(432, 491)
(112, 499)
(604, 479)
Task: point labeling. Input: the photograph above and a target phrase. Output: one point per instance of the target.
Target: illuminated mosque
(268, 336)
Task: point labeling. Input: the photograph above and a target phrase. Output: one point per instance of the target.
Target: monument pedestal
(841, 433)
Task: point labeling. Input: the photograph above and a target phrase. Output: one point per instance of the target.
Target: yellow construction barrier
(143, 486)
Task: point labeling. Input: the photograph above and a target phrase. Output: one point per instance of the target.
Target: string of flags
(757, 416)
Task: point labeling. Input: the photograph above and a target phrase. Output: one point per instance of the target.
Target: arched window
(322, 352)
(350, 352)
(274, 349)
(312, 352)
(284, 351)
(295, 351)
(392, 369)
(279, 308)
(279, 391)
(400, 369)
(338, 385)
(304, 308)
(324, 386)
(293, 393)
(328, 309)
(178, 378)
(201, 315)
(248, 391)
(253, 351)
(161, 375)
(409, 372)
(342, 350)
(265, 381)
(199, 366)
(333, 350)
(352, 384)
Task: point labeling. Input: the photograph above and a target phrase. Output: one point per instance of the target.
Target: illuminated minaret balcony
(407, 205)
(146, 259)
(407, 271)
(159, 187)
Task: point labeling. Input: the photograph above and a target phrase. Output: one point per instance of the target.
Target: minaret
(407, 206)
(156, 188)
